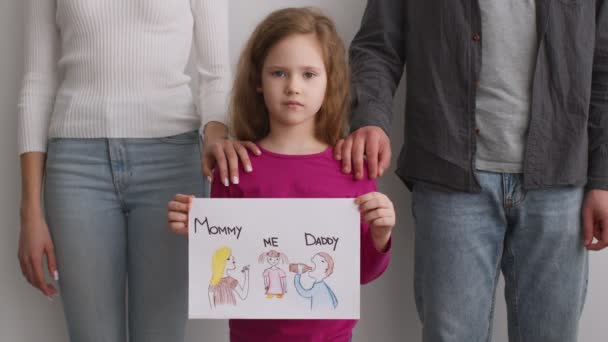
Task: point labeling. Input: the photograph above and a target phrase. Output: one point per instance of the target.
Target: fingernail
(380, 172)
(258, 152)
(248, 168)
(226, 182)
(56, 275)
(235, 180)
(50, 298)
(209, 179)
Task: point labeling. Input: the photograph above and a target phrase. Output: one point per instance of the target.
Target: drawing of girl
(222, 286)
(274, 277)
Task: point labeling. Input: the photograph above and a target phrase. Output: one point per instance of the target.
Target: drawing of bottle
(299, 268)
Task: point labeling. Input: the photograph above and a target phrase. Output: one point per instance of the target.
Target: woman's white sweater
(116, 68)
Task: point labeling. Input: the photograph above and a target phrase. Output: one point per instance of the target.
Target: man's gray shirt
(441, 44)
(508, 54)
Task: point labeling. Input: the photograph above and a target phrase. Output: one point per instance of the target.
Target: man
(506, 148)
(321, 296)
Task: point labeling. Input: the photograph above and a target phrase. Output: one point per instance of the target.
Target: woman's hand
(34, 243)
(223, 153)
(378, 211)
(177, 213)
(245, 270)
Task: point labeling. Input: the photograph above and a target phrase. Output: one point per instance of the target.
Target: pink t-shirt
(275, 278)
(304, 176)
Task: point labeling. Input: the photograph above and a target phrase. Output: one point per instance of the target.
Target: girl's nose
(292, 87)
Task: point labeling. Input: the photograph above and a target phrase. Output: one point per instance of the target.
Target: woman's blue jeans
(106, 204)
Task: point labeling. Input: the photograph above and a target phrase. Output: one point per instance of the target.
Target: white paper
(266, 236)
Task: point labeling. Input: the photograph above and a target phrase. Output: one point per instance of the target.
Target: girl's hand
(378, 211)
(178, 213)
(35, 242)
(223, 153)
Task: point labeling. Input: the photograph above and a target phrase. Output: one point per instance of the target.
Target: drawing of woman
(222, 287)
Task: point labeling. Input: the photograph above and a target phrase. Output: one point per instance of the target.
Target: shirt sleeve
(39, 85)
(297, 281)
(373, 262)
(597, 174)
(377, 58)
(211, 39)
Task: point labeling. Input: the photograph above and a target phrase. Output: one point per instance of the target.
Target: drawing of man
(321, 296)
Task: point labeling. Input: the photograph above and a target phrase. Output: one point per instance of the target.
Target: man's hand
(370, 141)
(595, 219)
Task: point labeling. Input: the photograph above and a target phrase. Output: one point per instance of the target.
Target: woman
(223, 287)
(105, 103)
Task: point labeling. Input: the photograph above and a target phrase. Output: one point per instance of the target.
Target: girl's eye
(279, 73)
(309, 75)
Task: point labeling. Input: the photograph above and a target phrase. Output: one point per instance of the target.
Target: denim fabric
(464, 240)
(106, 203)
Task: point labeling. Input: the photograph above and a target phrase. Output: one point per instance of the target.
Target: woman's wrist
(214, 131)
(30, 208)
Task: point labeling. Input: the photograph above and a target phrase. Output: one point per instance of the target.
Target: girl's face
(273, 260)
(294, 80)
(230, 263)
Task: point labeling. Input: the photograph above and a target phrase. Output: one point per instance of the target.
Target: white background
(388, 311)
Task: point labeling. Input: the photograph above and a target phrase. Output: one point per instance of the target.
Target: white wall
(388, 312)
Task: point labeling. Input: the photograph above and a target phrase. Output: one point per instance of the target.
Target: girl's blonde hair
(248, 112)
(218, 264)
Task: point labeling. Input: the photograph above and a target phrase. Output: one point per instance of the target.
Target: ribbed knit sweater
(116, 68)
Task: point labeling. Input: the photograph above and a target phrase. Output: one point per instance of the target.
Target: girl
(291, 96)
(223, 287)
(274, 277)
(108, 120)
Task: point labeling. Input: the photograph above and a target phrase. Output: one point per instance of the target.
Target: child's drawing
(223, 287)
(274, 277)
(321, 296)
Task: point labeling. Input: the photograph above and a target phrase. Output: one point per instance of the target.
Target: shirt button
(476, 84)
(476, 37)
(477, 131)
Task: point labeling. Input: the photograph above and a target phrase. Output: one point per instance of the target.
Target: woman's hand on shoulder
(223, 153)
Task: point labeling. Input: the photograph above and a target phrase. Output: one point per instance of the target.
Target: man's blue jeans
(106, 203)
(464, 240)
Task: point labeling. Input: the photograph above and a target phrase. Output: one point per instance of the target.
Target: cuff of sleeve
(597, 184)
(370, 114)
(371, 249)
(597, 175)
(32, 146)
(213, 107)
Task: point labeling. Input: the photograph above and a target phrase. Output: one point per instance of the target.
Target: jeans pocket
(188, 138)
